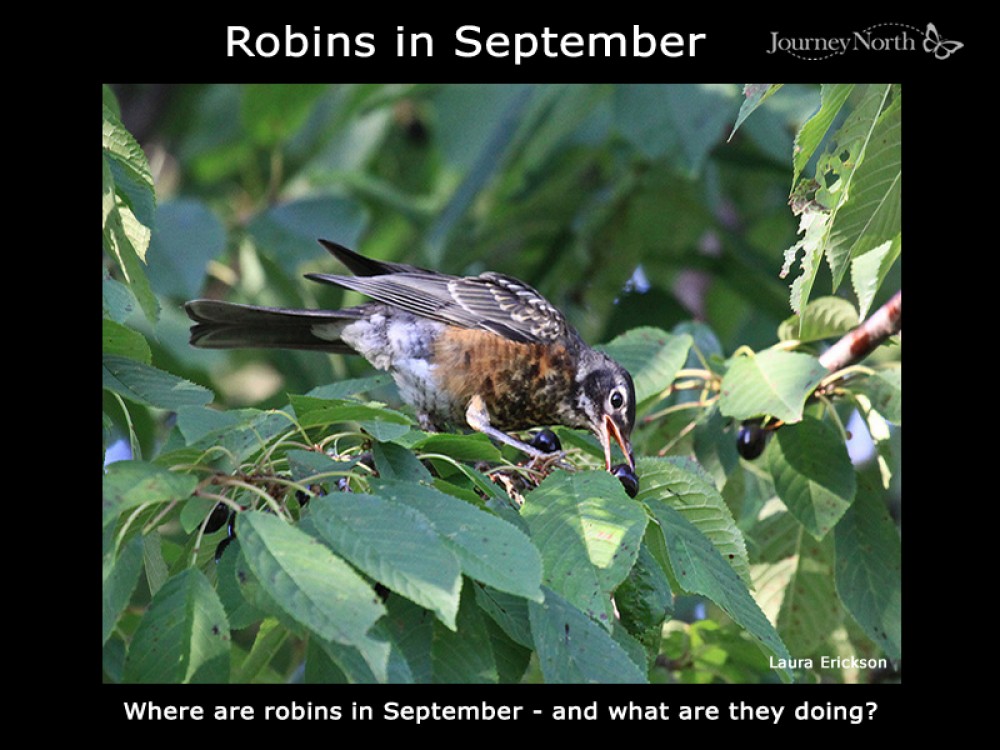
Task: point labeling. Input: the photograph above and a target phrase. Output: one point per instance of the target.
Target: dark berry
(627, 477)
(302, 497)
(546, 441)
(216, 518)
(222, 548)
(750, 440)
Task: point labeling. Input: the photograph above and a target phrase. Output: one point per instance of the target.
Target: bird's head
(606, 397)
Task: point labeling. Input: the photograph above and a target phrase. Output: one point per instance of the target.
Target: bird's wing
(490, 301)
(359, 265)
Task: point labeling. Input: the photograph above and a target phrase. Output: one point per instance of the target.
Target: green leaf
(772, 382)
(820, 201)
(118, 301)
(700, 569)
(394, 544)
(129, 167)
(121, 235)
(341, 389)
(869, 270)
(150, 386)
(396, 462)
(810, 136)
(310, 584)
(870, 215)
(778, 538)
(695, 497)
(572, 648)
(306, 465)
(320, 412)
(288, 232)
(809, 611)
(232, 435)
(121, 574)
(814, 226)
(508, 611)
(321, 668)
(644, 599)
(412, 629)
(508, 103)
(638, 653)
(488, 548)
(153, 561)
(754, 94)
(272, 114)
(652, 357)
(110, 100)
(868, 568)
(822, 318)
(195, 510)
(241, 613)
(464, 654)
(188, 236)
(128, 206)
(885, 389)
(512, 659)
(473, 447)
(128, 484)
(588, 532)
(196, 423)
(267, 643)
(880, 435)
(124, 342)
(812, 473)
(183, 637)
(678, 120)
(391, 664)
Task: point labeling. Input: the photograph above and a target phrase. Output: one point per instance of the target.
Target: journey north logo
(882, 37)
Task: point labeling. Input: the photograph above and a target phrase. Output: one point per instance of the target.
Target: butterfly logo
(940, 48)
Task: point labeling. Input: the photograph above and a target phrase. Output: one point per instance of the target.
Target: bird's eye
(617, 400)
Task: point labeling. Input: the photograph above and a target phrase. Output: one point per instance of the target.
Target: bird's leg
(478, 417)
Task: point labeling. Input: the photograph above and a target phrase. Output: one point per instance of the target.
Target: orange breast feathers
(523, 385)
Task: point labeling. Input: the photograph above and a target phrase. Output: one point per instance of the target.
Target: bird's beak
(610, 430)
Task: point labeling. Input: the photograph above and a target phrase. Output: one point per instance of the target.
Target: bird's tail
(226, 325)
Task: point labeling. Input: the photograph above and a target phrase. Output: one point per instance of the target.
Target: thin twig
(862, 341)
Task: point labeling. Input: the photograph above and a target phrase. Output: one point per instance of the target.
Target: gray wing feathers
(492, 302)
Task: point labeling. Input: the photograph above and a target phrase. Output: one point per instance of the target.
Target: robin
(486, 351)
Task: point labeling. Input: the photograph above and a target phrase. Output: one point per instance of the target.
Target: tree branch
(862, 341)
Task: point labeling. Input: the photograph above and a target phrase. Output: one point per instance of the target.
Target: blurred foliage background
(625, 205)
